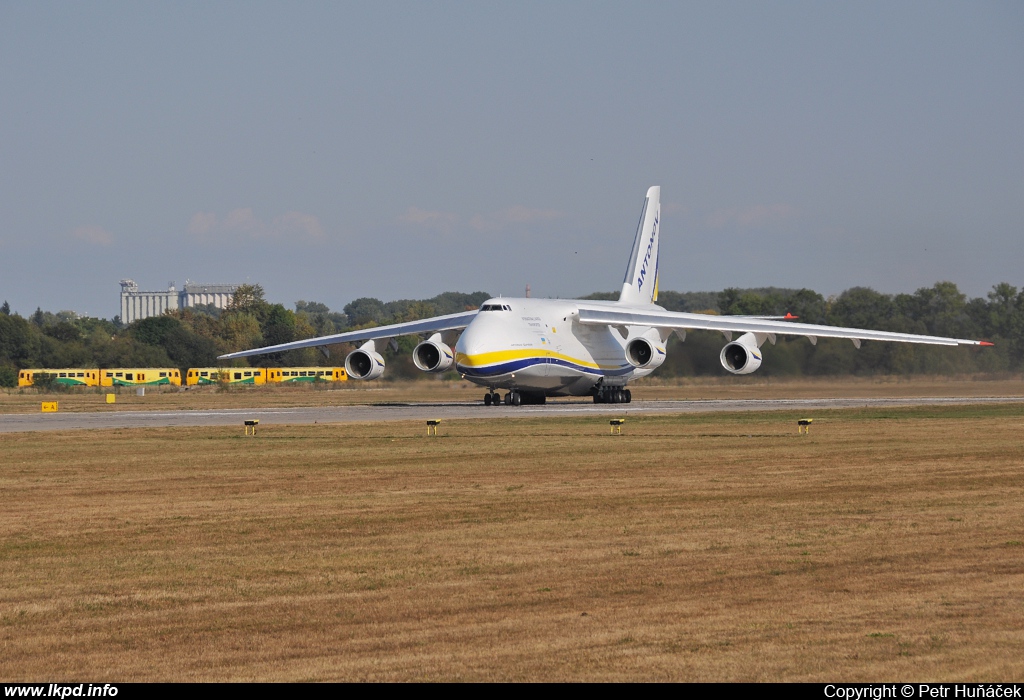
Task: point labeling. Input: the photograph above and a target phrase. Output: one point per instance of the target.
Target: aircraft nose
(474, 342)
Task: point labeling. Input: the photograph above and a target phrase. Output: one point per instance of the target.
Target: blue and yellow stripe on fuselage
(493, 364)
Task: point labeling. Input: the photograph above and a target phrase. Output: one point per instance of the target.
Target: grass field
(884, 545)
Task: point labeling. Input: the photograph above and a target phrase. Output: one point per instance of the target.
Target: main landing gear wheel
(613, 395)
(514, 398)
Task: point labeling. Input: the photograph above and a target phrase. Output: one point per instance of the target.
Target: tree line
(194, 337)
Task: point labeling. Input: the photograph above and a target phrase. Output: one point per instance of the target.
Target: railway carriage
(204, 376)
(141, 376)
(67, 377)
(289, 375)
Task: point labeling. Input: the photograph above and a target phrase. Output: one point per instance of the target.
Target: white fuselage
(536, 345)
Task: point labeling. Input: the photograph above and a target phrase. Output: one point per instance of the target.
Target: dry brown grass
(884, 545)
(433, 390)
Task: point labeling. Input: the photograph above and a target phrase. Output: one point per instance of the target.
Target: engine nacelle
(644, 353)
(433, 356)
(742, 356)
(364, 364)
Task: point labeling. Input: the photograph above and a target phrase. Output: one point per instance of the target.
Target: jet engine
(432, 355)
(364, 363)
(742, 356)
(644, 353)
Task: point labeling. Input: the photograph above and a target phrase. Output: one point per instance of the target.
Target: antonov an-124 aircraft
(535, 348)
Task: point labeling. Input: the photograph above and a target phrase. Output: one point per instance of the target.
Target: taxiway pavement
(33, 422)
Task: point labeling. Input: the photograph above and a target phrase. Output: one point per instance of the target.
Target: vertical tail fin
(640, 285)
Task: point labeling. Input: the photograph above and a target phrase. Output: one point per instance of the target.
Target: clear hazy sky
(335, 150)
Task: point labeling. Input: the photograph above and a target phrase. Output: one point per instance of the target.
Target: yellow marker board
(49, 406)
(111, 398)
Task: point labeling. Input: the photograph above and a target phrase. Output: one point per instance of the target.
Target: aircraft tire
(516, 400)
(487, 399)
(629, 396)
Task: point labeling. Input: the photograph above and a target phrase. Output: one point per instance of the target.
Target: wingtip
(986, 343)
(789, 317)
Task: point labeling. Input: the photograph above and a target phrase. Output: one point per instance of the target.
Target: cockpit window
(495, 307)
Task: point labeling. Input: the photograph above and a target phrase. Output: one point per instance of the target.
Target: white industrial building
(137, 305)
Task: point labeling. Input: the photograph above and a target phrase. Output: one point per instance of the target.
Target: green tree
(45, 382)
(248, 298)
(19, 341)
(206, 310)
(279, 326)
(311, 307)
(319, 318)
(8, 376)
(64, 331)
(688, 302)
(239, 331)
(155, 329)
(365, 310)
(941, 308)
(125, 351)
(807, 305)
(456, 302)
(1002, 320)
(862, 307)
(57, 353)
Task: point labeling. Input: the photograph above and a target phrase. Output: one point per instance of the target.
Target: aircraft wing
(659, 318)
(427, 325)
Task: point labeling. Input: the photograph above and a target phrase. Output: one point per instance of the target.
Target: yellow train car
(140, 376)
(68, 377)
(201, 376)
(288, 375)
